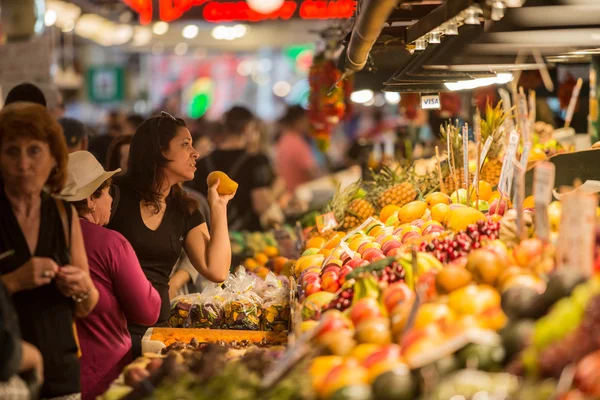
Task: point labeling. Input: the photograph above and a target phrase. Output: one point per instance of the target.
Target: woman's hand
(36, 272)
(217, 200)
(73, 281)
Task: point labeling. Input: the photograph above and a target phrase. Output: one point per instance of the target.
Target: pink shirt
(295, 160)
(125, 295)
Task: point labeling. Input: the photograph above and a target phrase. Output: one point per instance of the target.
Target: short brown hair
(33, 121)
(81, 205)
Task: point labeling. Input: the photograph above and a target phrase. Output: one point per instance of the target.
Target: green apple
(459, 196)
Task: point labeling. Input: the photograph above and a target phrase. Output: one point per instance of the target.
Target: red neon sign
(227, 11)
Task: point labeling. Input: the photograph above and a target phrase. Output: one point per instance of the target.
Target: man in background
(75, 134)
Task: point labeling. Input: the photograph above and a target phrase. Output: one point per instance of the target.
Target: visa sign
(430, 102)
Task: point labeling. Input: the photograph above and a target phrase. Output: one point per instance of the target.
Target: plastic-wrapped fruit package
(242, 306)
(207, 310)
(276, 308)
(180, 309)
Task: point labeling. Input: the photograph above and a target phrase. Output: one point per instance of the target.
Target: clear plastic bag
(242, 305)
(276, 307)
(207, 309)
(180, 309)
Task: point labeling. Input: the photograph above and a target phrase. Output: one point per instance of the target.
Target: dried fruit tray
(157, 338)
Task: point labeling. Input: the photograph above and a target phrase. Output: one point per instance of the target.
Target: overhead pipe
(370, 21)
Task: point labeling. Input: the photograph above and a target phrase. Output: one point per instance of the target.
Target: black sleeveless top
(45, 314)
(158, 250)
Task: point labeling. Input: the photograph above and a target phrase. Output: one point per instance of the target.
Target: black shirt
(158, 250)
(10, 337)
(99, 147)
(249, 171)
(45, 314)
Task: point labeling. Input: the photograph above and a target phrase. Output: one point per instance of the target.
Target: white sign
(507, 166)
(430, 102)
(25, 61)
(543, 183)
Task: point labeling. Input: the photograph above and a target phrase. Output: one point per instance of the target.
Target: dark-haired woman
(159, 219)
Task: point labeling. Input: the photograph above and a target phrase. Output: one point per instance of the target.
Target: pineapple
(451, 184)
(491, 126)
(349, 208)
(359, 210)
(389, 187)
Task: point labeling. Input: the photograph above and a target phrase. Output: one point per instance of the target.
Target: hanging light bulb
(265, 6)
(451, 28)
(435, 37)
(420, 44)
(498, 10)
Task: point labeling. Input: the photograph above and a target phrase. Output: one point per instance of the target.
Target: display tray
(158, 338)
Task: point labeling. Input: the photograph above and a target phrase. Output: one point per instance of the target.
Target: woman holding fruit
(160, 219)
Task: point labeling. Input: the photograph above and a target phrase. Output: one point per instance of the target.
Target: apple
(528, 252)
(428, 230)
(355, 263)
(395, 294)
(460, 262)
(312, 288)
(364, 309)
(330, 282)
(368, 245)
(343, 272)
(310, 278)
(500, 249)
(408, 235)
(371, 254)
(345, 257)
(459, 196)
(498, 207)
(418, 223)
(333, 321)
(332, 267)
(392, 244)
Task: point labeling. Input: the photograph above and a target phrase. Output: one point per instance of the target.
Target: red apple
(330, 282)
(395, 294)
(395, 252)
(392, 244)
(312, 288)
(409, 235)
(309, 279)
(499, 248)
(390, 353)
(357, 262)
(528, 252)
(343, 272)
(498, 207)
(418, 223)
(364, 309)
(333, 321)
(372, 255)
(332, 267)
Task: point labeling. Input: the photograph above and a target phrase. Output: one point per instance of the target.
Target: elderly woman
(160, 220)
(45, 268)
(125, 293)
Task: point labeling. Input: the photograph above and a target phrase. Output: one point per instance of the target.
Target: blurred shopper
(132, 121)
(26, 92)
(254, 200)
(17, 356)
(125, 293)
(118, 153)
(160, 219)
(46, 271)
(75, 134)
(100, 144)
(295, 160)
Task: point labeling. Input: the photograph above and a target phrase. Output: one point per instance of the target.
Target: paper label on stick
(507, 105)
(465, 139)
(543, 183)
(525, 155)
(507, 165)
(577, 236)
(573, 102)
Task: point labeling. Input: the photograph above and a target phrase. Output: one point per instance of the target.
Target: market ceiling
(238, 10)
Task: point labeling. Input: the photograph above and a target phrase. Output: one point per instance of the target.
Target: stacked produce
(260, 252)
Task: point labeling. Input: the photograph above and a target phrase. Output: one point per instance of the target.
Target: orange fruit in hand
(226, 184)
(387, 212)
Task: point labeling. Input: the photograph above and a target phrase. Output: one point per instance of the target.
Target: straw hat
(86, 175)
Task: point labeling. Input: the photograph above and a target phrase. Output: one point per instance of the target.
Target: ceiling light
(472, 16)
(50, 17)
(420, 44)
(282, 89)
(435, 37)
(498, 10)
(362, 96)
(223, 32)
(160, 28)
(141, 36)
(392, 97)
(451, 28)
(122, 34)
(190, 31)
(181, 48)
(499, 79)
(265, 6)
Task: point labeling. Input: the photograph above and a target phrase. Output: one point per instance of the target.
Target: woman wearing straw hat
(125, 293)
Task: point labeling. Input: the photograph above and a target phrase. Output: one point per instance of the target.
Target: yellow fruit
(358, 211)
(495, 196)
(250, 264)
(491, 172)
(412, 211)
(307, 326)
(398, 195)
(316, 242)
(326, 252)
(226, 184)
(536, 154)
(364, 350)
(262, 272)
(357, 242)
(439, 212)
(305, 262)
(432, 312)
(271, 251)
(388, 211)
(485, 191)
(459, 218)
(261, 259)
(529, 202)
(335, 240)
(376, 231)
(437, 198)
(320, 367)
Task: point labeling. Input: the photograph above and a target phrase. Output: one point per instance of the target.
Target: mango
(227, 185)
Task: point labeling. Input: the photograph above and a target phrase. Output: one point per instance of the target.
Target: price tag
(465, 140)
(525, 155)
(326, 222)
(507, 106)
(486, 148)
(577, 236)
(507, 165)
(543, 183)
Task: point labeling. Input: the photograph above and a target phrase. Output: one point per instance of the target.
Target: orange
(485, 191)
(250, 264)
(436, 198)
(387, 212)
(271, 251)
(262, 272)
(226, 184)
(278, 264)
(316, 242)
(439, 212)
(529, 202)
(261, 259)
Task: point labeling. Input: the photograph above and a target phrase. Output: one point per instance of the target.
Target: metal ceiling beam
(443, 13)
